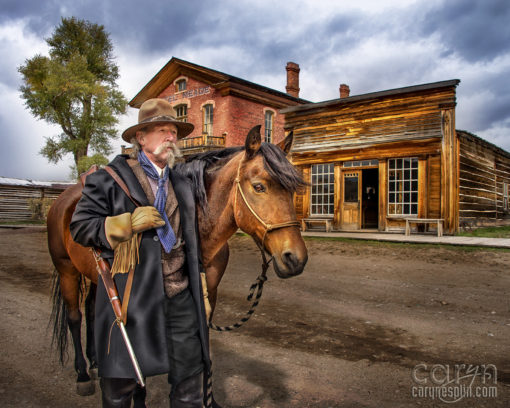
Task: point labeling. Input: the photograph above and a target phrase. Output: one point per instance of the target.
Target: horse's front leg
(214, 271)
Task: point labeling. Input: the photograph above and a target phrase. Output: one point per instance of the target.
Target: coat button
(156, 238)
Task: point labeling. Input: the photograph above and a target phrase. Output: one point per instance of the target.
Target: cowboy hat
(157, 111)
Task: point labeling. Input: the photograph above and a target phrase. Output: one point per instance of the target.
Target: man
(166, 319)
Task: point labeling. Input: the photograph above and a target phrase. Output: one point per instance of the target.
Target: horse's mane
(198, 166)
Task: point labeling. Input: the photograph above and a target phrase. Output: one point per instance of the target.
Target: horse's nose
(292, 262)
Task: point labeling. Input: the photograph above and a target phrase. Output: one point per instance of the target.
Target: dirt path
(349, 332)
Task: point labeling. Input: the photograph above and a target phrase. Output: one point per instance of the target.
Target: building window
(506, 197)
(269, 119)
(182, 112)
(180, 85)
(403, 186)
(323, 189)
(208, 120)
(361, 163)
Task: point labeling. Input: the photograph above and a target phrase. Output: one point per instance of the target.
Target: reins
(262, 278)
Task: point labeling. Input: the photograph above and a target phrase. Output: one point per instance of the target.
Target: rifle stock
(111, 289)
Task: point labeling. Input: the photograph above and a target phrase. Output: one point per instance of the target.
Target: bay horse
(249, 188)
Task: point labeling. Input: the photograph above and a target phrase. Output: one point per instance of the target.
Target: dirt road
(366, 325)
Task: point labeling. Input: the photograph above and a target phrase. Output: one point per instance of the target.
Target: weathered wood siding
(419, 123)
(483, 171)
(14, 200)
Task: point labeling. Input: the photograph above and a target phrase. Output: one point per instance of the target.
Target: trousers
(184, 352)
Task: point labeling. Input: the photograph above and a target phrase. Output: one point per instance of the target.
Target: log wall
(484, 169)
(14, 200)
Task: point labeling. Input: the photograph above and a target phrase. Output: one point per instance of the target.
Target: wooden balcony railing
(203, 140)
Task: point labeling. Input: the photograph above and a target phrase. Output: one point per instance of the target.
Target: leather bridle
(267, 226)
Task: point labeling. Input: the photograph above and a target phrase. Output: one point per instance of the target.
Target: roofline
(226, 78)
(466, 134)
(372, 95)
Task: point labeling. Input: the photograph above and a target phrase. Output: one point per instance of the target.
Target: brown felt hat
(157, 111)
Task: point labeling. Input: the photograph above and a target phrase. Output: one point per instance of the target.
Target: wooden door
(351, 199)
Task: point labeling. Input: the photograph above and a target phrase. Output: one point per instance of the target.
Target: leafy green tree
(85, 162)
(75, 88)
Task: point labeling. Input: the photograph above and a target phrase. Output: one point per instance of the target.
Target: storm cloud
(370, 45)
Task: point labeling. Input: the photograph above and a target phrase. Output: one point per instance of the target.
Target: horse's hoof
(93, 373)
(85, 388)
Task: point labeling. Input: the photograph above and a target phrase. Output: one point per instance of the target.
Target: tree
(85, 162)
(75, 88)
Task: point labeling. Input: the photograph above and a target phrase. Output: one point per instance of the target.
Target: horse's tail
(58, 319)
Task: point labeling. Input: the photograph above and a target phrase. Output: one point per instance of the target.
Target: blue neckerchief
(166, 233)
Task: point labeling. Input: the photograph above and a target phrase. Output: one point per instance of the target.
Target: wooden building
(222, 107)
(16, 196)
(374, 160)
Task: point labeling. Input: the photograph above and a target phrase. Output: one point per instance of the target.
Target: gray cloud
(476, 30)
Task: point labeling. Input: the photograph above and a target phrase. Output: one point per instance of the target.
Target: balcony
(200, 144)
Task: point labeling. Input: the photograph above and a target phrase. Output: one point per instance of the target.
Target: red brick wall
(232, 115)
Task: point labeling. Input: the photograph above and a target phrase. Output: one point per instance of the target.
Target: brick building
(222, 107)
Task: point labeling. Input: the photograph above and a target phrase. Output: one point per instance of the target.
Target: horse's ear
(286, 143)
(253, 141)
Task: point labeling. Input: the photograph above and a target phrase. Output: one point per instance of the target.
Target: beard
(172, 154)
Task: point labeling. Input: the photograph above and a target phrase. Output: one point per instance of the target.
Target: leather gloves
(120, 228)
(145, 218)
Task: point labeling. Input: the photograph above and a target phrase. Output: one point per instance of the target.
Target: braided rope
(259, 285)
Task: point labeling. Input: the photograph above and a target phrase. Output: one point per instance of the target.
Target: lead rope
(258, 284)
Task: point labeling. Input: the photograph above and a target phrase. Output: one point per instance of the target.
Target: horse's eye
(259, 188)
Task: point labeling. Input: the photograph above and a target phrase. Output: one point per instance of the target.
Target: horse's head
(264, 206)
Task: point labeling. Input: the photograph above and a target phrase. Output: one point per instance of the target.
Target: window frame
(182, 118)
(208, 119)
(403, 192)
(322, 194)
(268, 131)
(178, 85)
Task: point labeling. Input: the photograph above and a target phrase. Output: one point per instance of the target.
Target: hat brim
(183, 128)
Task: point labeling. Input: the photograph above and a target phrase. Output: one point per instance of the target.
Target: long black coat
(103, 197)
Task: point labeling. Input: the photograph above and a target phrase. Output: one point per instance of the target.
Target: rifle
(104, 270)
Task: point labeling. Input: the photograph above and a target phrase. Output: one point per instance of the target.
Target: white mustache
(163, 146)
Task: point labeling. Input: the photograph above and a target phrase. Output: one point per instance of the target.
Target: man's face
(158, 142)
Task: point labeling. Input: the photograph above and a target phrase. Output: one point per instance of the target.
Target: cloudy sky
(371, 45)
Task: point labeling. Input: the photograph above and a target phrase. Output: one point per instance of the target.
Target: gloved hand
(118, 229)
(145, 218)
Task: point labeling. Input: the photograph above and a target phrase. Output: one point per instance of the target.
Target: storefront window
(403, 186)
(323, 189)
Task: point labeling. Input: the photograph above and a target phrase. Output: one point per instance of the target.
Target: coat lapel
(120, 165)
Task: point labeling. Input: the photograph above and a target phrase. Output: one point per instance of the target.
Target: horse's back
(62, 248)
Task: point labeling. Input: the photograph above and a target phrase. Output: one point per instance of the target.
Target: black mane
(276, 164)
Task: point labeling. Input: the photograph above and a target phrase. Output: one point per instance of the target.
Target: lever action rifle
(104, 270)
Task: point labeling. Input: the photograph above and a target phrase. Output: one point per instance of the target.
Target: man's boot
(188, 393)
(117, 392)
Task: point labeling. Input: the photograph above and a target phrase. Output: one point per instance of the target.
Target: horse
(233, 187)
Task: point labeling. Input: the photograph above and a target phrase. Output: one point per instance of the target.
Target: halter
(267, 227)
(259, 283)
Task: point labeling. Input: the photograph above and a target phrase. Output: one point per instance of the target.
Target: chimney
(344, 91)
(292, 87)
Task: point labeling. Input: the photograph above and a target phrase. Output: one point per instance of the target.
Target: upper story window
(403, 186)
(269, 122)
(208, 120)
(180, 85)
(182, 112)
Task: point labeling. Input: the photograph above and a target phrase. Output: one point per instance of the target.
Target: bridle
(267, 227)
(259, 283)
